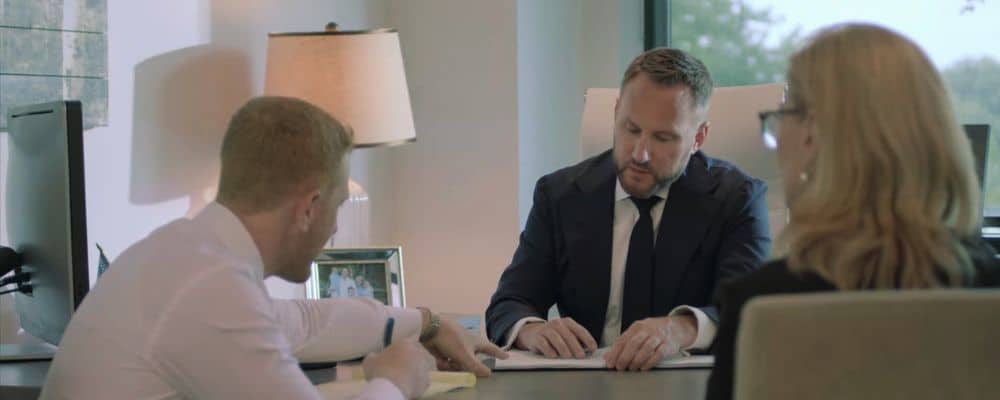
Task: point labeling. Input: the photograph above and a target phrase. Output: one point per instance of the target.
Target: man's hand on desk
(645, 343)
(405, 363)
(454, 347)
(558, 338)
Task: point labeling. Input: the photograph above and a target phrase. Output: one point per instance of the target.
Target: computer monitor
(45, 217)
(979, 138)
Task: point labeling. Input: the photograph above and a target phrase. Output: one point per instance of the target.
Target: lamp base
(353, 219)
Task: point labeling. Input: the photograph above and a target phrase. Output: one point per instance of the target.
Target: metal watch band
(432, 327)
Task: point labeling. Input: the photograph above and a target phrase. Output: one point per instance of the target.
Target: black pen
(387, 336)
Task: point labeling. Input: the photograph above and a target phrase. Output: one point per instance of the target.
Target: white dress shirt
(626, 215)
(184, 314)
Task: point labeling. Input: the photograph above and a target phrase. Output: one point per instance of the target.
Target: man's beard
(660, 182)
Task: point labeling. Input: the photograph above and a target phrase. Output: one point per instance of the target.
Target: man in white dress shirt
(184, 313)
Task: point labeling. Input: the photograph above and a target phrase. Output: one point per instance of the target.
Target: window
(52, 50)
(747, 42)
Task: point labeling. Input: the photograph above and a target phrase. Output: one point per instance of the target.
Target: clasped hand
(643, 345)
(647, 342)
(557, 338)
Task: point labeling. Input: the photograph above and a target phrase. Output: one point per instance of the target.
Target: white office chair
(734, 135)
(915, 344)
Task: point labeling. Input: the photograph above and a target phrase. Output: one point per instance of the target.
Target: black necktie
(637, 299)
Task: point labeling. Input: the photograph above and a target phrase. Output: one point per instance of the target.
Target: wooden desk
(24, 381)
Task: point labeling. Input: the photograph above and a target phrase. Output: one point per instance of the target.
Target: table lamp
(357, 77)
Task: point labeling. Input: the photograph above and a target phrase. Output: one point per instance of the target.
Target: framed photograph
(375, 273)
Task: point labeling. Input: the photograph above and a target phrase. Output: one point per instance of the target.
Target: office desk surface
(24, 381)
(659, 384)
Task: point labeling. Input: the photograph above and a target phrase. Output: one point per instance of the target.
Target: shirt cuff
(380, 389)
(407, 325)
(512, 333)
(705, 325)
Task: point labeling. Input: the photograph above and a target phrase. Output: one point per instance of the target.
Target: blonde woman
(878, 177)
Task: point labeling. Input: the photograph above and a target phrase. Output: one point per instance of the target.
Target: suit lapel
(589, 236)
(686, 215)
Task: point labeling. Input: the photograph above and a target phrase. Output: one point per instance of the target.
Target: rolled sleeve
(408, 323)
(341, 329)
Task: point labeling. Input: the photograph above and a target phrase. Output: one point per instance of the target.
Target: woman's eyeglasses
(770, 123)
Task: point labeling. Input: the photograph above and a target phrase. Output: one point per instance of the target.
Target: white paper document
(524, 360)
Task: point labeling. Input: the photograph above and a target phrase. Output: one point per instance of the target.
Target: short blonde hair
(668, 67)
(892, 193)
(276, 147)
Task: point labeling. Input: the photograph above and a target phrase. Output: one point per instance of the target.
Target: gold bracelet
(432, 327)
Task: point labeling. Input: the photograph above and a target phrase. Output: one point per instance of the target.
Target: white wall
(456, 209)
(3, 185)
(565, 47)
(612, 35)
(550, 97)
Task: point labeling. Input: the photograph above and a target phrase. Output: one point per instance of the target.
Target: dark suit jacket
(714, 227)
(775, 278)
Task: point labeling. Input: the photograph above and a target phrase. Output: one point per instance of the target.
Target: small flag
(102, 262)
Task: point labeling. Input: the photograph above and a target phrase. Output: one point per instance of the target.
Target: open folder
(526, 360)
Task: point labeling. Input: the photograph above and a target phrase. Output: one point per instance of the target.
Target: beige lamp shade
(356, 76)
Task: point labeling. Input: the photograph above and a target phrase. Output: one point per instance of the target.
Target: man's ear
(305, 210)
(614, 116)
(700, 136)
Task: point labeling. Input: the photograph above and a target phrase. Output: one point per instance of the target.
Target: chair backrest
(734, 134)
(918, 344)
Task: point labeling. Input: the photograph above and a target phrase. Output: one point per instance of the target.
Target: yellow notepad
(441, 382)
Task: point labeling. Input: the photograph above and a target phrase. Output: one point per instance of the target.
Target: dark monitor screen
(45, 214)
(979, 138)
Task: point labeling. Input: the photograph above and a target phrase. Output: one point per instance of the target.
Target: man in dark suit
(591, 245)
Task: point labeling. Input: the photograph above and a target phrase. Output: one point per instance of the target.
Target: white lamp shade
(356, 76)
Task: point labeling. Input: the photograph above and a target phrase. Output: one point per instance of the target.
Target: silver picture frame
(367, 272)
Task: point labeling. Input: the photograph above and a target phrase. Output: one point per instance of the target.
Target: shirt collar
(226, 227)
(621, 194)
